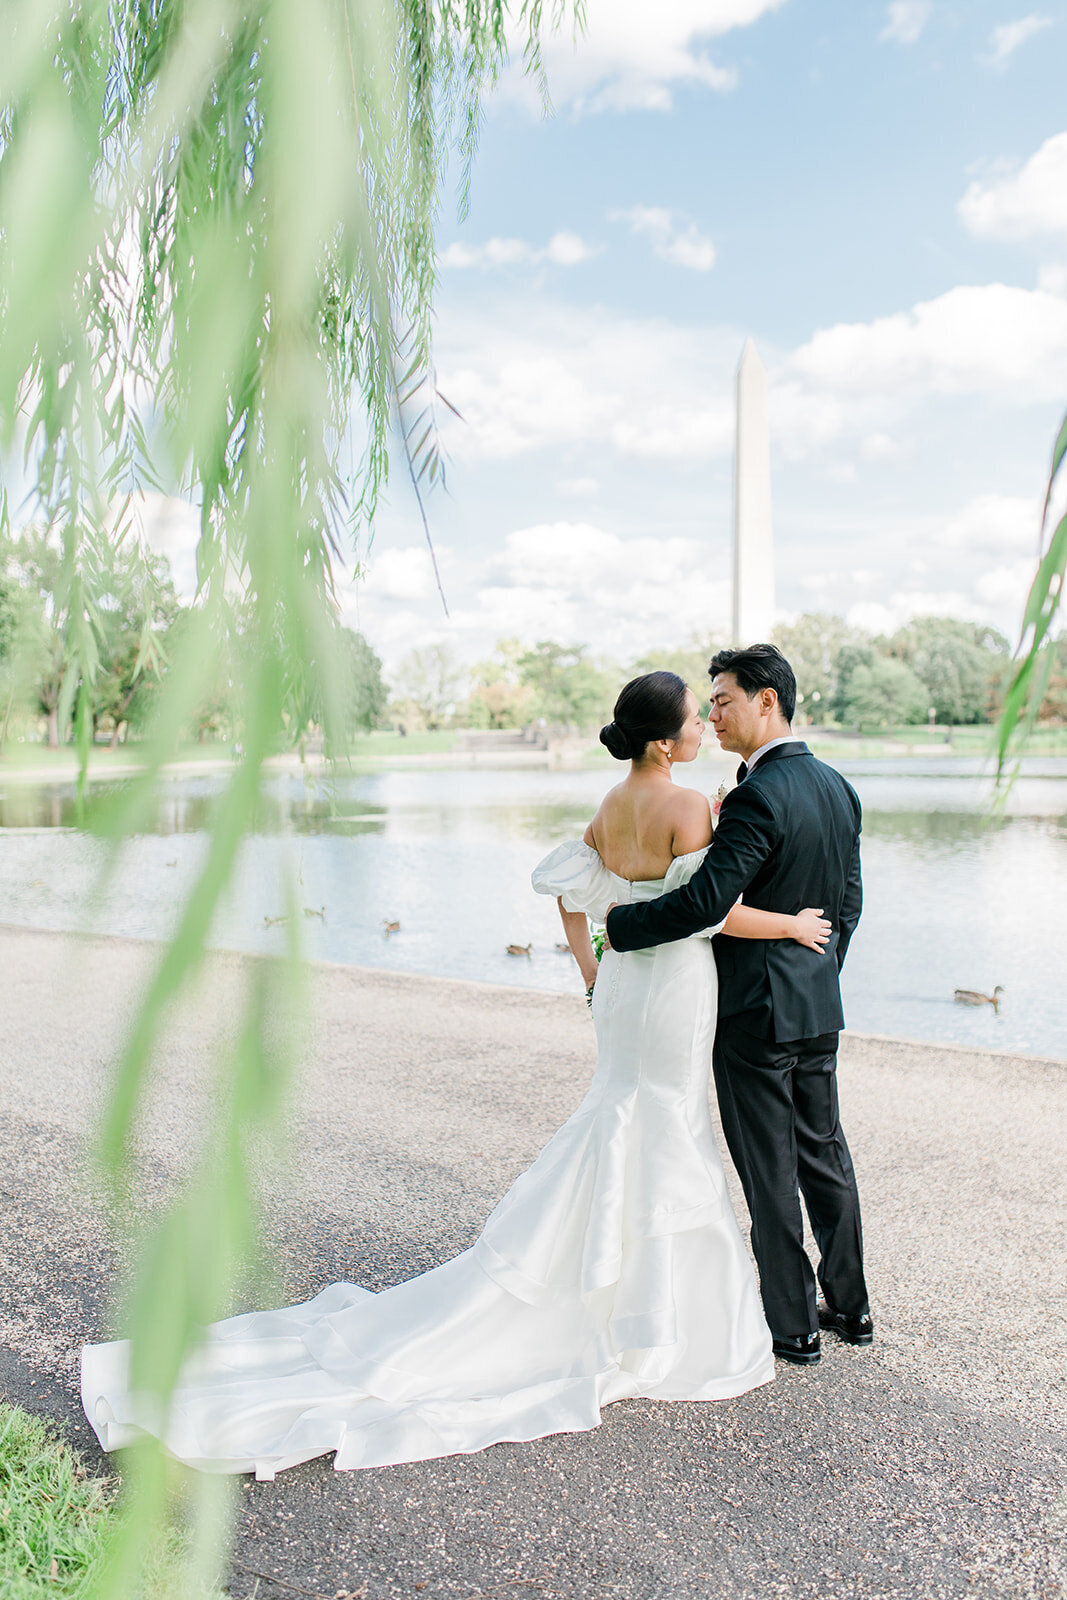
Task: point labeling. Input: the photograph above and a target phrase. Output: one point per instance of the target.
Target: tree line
(129, 623)
(938, 669)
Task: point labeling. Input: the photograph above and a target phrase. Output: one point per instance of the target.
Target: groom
(788, 837)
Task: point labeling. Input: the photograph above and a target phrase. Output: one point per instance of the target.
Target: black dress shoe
(803, 1350)
(853, 1329)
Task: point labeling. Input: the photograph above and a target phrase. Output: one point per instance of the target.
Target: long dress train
(612, 1268)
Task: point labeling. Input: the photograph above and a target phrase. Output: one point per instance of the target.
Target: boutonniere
(716, 805)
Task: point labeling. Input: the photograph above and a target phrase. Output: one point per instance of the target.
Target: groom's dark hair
(760, 666)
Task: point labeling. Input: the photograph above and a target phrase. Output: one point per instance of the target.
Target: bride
(613, 1267)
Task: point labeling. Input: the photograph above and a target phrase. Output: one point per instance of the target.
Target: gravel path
(932, 1464)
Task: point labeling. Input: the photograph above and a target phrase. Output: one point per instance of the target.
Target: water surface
(954, 898)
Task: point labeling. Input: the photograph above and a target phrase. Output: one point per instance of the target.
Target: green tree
(883, 693)
(813, 646)
(960, 664)
(9, 621)
(430, 682)
(499, 698)
(568, 690)
(136, 614)
(363, 693)
(858, 652)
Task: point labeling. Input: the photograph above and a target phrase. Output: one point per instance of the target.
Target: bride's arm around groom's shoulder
(746, 834)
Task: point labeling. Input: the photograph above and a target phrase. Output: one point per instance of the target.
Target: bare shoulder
(592, 834)
(691, 821)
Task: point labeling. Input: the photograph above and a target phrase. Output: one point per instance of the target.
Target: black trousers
(778, 1104)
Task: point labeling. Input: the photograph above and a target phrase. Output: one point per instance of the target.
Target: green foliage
(54, 1516)
(567, 689)
(216, 271)
(882, 692)
(428, 684)
(499, 698)
(815, 646)
(959, 663)
(57, 1522)
(362, 693)
(1035, 655)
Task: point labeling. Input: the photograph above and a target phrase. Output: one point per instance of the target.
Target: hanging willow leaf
(1032, 668)
(216, 270)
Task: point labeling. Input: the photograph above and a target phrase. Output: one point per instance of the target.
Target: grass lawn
(56, 1520)
(383, 743)
(383, 748)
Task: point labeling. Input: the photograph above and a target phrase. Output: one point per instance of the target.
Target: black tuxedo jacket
(787, 837)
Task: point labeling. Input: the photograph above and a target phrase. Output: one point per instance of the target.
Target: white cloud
(898, 608)
(672, 240)
(578, 488)
(631, 55)
(883, 447)
(403, 574)
(991, 339)
(561, 378)
(575, 582)
(564, 249)
(905, 21)
(1031, 201)
(994, 525)
(1006, 39)
(553, 377)
(1053, 279)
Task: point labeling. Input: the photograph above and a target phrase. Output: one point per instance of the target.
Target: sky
(876, 194)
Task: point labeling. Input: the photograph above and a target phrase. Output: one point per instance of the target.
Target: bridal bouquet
(598, 939)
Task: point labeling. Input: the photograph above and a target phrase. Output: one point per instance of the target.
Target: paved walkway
(931, 1465)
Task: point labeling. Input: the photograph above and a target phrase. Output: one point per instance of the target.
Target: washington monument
(753, 608)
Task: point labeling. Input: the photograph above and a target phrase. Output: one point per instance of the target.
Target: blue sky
(877, 193)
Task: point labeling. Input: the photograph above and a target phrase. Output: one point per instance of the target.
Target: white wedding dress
(613, 1268)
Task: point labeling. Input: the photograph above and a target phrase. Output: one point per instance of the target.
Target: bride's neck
(653, 766)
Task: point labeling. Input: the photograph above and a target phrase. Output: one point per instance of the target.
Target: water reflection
(955, 897)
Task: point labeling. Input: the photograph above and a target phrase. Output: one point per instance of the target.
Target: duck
(390, 927)
(519, 949)
(310, 911)
(564, 949)
(973, 997)
(274, 922)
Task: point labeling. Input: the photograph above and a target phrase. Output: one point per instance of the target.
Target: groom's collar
(790, 744)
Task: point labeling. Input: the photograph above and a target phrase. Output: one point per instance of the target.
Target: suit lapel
(781, 752)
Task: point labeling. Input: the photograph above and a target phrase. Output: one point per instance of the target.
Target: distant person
(614, 1266)
(787, 835)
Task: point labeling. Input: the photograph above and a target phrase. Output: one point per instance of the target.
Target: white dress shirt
(785, 738)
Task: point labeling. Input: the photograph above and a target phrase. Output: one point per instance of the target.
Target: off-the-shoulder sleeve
(575, 871)
(680, 871)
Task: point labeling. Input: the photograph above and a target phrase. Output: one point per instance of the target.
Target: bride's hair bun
(649, 707)
(616, 741)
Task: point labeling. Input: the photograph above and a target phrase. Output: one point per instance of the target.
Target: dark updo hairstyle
(650, 707)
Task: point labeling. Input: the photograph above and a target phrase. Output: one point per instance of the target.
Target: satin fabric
(612, 1268)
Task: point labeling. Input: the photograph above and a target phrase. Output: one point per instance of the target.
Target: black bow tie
(742, 772)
